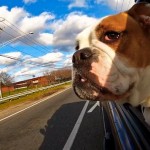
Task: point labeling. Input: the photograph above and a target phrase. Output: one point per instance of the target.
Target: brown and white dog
(112, 61)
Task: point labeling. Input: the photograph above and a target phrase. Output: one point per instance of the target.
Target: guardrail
(11, 97)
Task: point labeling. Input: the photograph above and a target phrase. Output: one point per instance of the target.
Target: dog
(112, 59)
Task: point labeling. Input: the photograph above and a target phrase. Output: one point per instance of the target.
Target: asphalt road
(48, 126)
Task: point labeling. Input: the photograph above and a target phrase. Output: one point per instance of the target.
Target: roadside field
(34, 96)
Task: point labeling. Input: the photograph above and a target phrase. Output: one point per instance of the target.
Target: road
(49, 124)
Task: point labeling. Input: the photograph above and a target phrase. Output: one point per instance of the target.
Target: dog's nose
(81, 55)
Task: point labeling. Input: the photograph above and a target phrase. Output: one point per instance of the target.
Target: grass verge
(34, 96)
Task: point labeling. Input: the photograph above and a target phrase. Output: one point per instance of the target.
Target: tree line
(58, 75)
(63, 74)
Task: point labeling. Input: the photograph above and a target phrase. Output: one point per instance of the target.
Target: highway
(61, 122)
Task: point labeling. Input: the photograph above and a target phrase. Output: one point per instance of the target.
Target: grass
(17, 91)
(34, 96)
(14, 92)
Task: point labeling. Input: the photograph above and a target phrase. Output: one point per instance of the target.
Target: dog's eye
(77, 45)
(111, 36)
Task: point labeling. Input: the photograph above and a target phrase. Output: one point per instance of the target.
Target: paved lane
(48, 125)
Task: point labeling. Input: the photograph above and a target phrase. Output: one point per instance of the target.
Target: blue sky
(55, 24)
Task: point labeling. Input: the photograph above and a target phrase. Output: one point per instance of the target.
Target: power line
(116, 5)
(24, 42)
(129, 3)
(30, 63)
(28, 41)
(10, 57)
(43, 46)
(35, 64)
(42, 65)
(21, 51)
(122, 5)
(54, 68)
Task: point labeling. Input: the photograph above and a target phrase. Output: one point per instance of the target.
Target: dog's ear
(141, 13)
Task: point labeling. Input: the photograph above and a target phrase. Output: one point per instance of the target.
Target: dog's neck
(141, 94)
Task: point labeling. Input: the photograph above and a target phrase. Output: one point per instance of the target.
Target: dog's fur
(112, 61)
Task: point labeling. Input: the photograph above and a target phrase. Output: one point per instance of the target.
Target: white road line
(36, 103)
(76, 128)
(93, 107)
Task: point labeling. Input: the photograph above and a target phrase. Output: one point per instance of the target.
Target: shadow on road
(59, 127)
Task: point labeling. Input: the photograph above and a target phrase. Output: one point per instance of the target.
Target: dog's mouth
(85, 88)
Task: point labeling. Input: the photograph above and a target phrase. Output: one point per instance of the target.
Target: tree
(50, 76)
(6, 79)
(63, 74)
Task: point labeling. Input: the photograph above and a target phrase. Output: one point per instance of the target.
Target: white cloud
(6, 69)
(48, 58)
(24, 21)
(118, 5)
(57, 33)
(78, 3)
(35, 23)
(68, 61)
(66, 30)
(26, 71)
(4, 60)
(29, 65)
(45, 38)
(35, 66)
(14, 15)
(29, 1)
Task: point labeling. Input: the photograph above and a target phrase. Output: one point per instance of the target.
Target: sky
(37, 36)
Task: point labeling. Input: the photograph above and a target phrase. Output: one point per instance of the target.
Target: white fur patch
(83, 38)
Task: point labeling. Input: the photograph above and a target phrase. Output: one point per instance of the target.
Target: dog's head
(110, 55)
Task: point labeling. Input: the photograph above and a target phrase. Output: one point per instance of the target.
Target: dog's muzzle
(80, 56)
